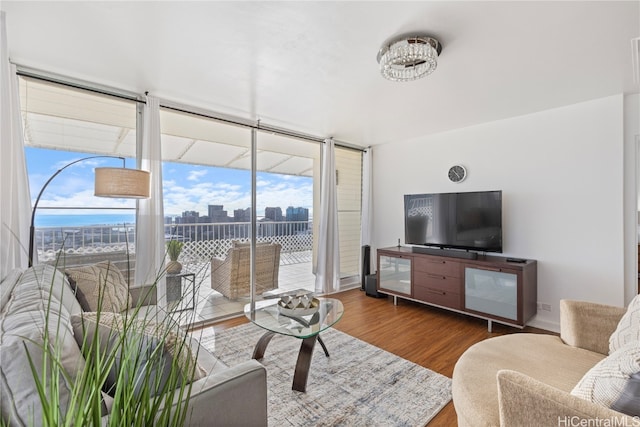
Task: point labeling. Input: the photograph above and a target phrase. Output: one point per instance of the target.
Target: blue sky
(186, 187)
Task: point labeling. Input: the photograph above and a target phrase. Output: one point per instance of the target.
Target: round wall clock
(457, 173)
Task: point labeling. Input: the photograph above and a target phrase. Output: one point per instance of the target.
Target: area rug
(358, 385)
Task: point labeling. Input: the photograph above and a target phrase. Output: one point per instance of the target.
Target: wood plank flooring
(428, 336)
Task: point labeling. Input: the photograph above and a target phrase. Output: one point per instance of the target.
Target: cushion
(150, 365)
(543, 357)
(246, 243)
(100, 287)
(628, 329)
(36, 304)
(629, 400)
(610, 381)
(7, 284)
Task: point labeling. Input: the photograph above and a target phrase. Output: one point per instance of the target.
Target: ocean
(83, 220)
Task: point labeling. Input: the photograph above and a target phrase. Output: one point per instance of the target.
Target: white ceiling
(311, 66)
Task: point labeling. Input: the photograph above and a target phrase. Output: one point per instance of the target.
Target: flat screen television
(471, 221)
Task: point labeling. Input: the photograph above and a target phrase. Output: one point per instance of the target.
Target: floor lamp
(109, 182)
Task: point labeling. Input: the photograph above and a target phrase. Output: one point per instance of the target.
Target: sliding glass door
(287, 187)
(207, 196)
(208, 207)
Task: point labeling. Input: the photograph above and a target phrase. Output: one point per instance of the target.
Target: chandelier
(409, 58)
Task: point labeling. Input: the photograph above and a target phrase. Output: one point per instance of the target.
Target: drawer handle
(433, 291)
(433, 276)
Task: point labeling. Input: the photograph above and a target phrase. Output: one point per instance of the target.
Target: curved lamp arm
(32, 229)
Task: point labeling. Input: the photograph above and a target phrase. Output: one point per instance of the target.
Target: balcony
(72, 246)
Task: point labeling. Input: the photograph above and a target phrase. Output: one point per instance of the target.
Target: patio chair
(231, 276)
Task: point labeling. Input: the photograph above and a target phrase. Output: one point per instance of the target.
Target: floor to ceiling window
(287, 192)
(208, 207)
(207, 194)
(63, 124)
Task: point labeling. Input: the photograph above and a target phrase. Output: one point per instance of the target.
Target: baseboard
(545, 324)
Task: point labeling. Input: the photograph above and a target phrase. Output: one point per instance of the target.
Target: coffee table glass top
(267, 316)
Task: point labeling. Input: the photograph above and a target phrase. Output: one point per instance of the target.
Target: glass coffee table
(307, 328)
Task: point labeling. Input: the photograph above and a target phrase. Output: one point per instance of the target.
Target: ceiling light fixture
(409, 58)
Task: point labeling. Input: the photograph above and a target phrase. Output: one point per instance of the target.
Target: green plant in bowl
(174, 248)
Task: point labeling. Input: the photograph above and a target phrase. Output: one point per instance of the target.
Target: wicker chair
(231, 276)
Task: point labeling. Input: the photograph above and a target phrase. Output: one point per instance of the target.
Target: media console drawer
(438, 297)
(441, 283)
(438, 266)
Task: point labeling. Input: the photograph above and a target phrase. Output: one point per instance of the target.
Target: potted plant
(174, 248)
(132, 354)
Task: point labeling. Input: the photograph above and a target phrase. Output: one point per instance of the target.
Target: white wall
(631, 189)
(561, 173)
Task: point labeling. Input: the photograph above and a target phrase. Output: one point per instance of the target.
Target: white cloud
(275, 193)
(195, 175)
(185, 192)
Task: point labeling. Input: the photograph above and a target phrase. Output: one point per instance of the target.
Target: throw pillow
(629, 400)
(137, 351)
(628, 329)
(610, 381)
(100, 287)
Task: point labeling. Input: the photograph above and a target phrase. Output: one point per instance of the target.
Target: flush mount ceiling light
(409, 58)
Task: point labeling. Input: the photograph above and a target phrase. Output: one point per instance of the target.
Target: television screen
(470, 220)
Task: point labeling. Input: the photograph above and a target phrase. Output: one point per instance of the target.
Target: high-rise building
(242, 215)
(297, 214)
(274, 214)
(190, 217)
(300, 217)
(217, 214)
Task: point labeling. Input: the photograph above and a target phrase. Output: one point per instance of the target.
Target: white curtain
(150, 245)
(15, 209)
(328, 271)
(367, 203)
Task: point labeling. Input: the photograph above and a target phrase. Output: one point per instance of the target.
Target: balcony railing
(202, 241)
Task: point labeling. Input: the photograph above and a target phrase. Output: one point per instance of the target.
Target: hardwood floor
(428, 336)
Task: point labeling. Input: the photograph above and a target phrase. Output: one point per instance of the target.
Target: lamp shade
(122, 183)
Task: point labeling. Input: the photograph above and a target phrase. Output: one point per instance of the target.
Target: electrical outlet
(542, 306)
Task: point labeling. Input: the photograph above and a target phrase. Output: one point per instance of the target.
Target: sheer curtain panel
(150, 245)
(15, 209)
(328, 270)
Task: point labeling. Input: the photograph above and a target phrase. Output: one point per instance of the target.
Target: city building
(217, 214)
(273, 214)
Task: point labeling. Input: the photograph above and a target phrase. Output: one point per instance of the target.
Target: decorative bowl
(299, 306)
(296, 299)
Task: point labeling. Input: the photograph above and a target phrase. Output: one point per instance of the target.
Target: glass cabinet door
(492, 292)
(394, 274)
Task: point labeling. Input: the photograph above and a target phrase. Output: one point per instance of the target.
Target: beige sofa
(231, 276)
(224, 395)
(526, 379)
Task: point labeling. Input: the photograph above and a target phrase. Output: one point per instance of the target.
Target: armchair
(526, 379)
(231, 276)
